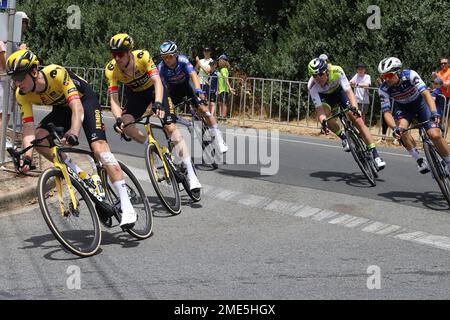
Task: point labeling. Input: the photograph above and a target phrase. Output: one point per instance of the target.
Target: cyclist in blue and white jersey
(176, 72)
(411, 99)
(328, 87)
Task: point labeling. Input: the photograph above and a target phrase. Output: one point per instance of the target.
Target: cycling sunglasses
(19, 76)
(387, 76)
(318, 75)
(119, 54)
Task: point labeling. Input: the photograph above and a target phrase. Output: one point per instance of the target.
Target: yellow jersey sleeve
(113, 84)
(25, 107)
(62, 81)
(144, 58)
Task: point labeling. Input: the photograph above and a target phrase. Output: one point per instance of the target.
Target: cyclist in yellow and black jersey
(142, 87)
(75, 104)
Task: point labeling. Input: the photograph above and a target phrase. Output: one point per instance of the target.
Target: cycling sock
(73, 166)
(215, 132)
(415, 154)
(374, 152)
(188, 164)
(125, 203)
(146, 141)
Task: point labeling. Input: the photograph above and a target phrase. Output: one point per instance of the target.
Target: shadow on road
(240, 173)
(351, 179)
(59, 253)
(432, 200)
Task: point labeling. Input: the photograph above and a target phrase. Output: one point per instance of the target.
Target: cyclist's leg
(94, 129)
(60, 117)
(210, 119)
(434, 132)
(135, 105)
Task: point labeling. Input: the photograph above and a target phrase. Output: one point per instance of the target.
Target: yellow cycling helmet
(21, 61)
(121, 42)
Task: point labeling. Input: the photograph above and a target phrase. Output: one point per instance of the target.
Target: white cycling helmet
(391, 64)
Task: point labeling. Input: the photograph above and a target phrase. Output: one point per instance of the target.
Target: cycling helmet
(388, 65)
(168, 47)
(316, 66)
(121, 42)
(21, 61)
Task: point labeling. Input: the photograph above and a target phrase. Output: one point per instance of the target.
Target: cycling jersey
(179, 75)
(61, 87)
(144, 70)
(336, 80)
(407, 92)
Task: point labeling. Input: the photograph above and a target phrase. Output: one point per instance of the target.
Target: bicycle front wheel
(165, 185)
(77, 229)
(142, 229)
(359, 152)
(438, 169)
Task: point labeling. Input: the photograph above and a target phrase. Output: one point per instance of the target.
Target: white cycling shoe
(379, 163)
(222, 146)
(193, 182)
(128, 219)
(422, 166)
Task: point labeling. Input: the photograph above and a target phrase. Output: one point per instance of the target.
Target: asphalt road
(314, 230)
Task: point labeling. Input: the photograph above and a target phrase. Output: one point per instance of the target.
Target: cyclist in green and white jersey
(328, 87)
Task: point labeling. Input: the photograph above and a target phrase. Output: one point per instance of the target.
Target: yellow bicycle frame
(63, 168)
(160, 151)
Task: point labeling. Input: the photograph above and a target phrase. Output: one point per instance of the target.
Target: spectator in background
(439, 98)
(203, 69)
(213, 83)
(25, 26)
(444, 74)
(224, 85)
(361, 81)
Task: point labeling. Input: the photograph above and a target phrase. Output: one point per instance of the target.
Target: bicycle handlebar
(55, 133)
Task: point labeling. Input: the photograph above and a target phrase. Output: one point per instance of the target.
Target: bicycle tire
(359, 152)
(437, 169)
(154, 164)
(56, 221)
(142, 229)
(210, 161)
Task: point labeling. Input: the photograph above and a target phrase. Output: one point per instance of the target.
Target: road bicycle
(166, 174)
(74, 215)
(436, 162)
(200, 129)
(362, 155)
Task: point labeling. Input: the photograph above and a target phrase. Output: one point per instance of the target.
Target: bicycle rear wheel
(166, 186)
(359, 152)
(142, 229)
(438, 169)
(201, 131)
(78, 230)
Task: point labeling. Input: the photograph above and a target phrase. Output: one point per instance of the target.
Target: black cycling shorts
(136, 103)
(93, 125)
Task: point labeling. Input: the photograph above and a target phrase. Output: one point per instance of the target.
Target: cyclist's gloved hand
(397, 132)
(325, 127)
(118, 125)
(435, 117)
(25, 164)
(159, 109)
(71, 139)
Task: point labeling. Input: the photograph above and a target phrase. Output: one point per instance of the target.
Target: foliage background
(262, 38)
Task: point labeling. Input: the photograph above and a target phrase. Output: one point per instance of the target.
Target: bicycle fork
(58, 183)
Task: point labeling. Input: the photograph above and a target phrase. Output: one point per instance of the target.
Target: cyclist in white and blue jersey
(176, 72)
(411, 99)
